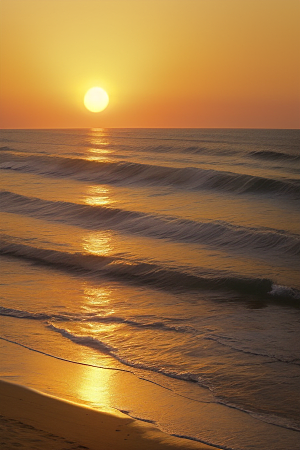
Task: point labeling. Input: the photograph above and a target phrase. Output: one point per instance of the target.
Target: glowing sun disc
(96, 99)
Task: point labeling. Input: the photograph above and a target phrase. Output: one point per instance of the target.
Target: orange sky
(164, 63)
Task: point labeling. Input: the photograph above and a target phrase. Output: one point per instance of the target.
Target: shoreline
(30, 418)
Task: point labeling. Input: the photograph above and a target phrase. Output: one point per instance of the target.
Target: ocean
(156, 272)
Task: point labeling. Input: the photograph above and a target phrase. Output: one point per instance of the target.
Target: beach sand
(31, 420)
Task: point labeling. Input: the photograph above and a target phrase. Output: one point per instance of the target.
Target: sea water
(172, 255)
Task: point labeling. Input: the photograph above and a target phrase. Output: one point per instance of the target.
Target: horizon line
(150, 128)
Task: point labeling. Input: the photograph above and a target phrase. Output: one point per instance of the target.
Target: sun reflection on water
(98, 196)
(98, 136)
(94, 387)
(97, 298)
(98, 151)
(100, 155)
(99, 142)
(98, 243)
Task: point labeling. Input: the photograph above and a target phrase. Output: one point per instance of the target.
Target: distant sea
(173, 254)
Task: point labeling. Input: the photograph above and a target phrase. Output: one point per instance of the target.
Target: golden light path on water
(94, 387)
(99, 242)
(98, 140)
(98, 196)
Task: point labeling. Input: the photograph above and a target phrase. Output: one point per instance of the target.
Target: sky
(163, 63)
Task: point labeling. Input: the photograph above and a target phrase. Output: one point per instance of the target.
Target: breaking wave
(135, 173)
(213, 233)
(93, 318)
(146, 274)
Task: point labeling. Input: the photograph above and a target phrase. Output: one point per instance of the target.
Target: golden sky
(163, 63)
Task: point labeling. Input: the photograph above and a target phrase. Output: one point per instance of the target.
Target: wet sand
(31, 420)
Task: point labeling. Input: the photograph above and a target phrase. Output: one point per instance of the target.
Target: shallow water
(171, 254)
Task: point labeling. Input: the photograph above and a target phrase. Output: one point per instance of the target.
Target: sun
(96, 99)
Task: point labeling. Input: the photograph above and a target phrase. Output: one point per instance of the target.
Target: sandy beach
(31, 420)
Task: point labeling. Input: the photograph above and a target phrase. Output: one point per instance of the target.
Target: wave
(272, 155)
(146, 274)
(128, 173)
(53, 319)
(156, 325)
(97, 344)
(227, 342)
(101, 346)
(63, 359)
(87, 341)
(132, 366)
(218, 234)
(92, 318)
(176, 373)
(190, 150)
(186, 376)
